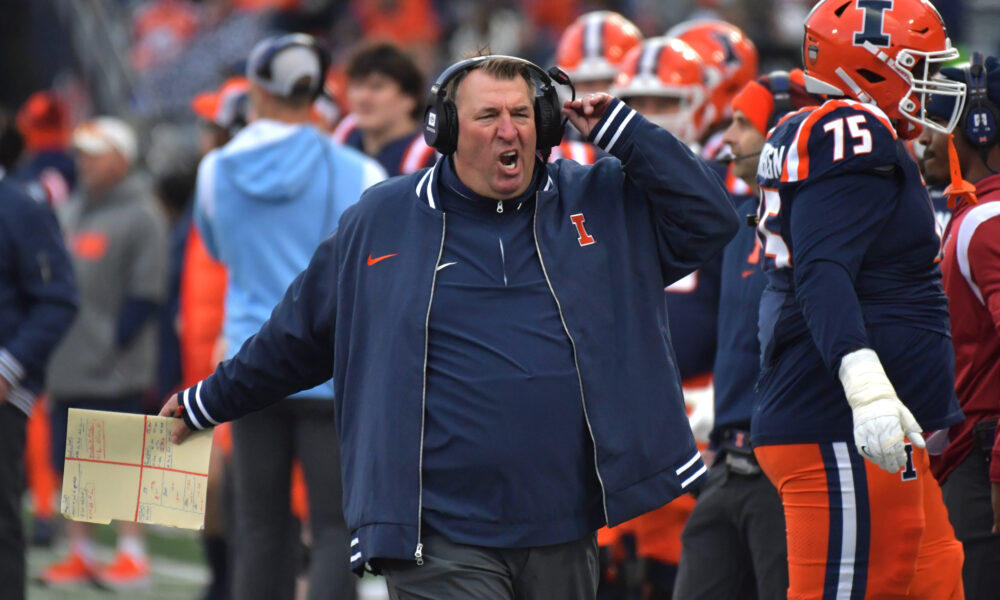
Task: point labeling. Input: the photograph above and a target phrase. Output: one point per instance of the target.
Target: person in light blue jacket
(264, 202)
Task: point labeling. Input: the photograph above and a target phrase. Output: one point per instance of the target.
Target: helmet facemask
(918, 69)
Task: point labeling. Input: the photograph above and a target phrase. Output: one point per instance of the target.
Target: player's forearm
(831, 308)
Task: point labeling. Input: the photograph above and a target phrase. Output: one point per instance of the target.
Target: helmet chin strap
(958, 187)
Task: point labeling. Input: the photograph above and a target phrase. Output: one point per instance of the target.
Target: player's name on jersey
(771, 159)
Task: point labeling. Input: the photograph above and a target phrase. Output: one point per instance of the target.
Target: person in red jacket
(971, 275)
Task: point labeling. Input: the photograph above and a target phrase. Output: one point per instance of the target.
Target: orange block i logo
(584, 238)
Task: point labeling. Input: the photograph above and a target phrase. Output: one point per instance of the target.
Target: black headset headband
(441, 117)
(440, 87)
(780, 86)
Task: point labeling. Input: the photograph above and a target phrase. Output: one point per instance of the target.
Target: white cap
(277, 63)
(104, 134)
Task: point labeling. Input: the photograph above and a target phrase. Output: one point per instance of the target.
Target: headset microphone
(727, 157)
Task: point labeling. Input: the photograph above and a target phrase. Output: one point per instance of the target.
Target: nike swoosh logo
(372, 261)
(747, 273)
(445, 265)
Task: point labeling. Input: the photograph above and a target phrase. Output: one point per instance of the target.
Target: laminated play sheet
(124, 466)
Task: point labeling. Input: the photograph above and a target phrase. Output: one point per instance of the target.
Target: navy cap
(942, 106)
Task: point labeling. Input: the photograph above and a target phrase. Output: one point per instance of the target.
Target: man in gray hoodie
(107, 361)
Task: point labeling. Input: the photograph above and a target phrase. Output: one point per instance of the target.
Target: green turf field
(178, 570)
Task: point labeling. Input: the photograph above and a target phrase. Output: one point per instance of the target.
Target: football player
(734, 540)
(730, 59)
(590, 52)
(855, 347)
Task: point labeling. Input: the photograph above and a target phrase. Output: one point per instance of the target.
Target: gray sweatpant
(459, 572)
(266, 556)
(733, 544)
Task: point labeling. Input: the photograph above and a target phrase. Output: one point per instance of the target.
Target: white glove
(701, 406)
(880, 419)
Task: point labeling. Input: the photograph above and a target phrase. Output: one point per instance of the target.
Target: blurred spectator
(412, 24)
(222, 113)
(217, 49)
(46, 173)
(160, 29)
(117, 238)
(263, 203)
(37, 304)
(494, 25)
(385, 93)
(47, 167)
(174, 190)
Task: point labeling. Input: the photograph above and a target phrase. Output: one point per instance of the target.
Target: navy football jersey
(407, 154)
(851, 250)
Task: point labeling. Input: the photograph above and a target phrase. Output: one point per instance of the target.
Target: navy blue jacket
(37, 292)
(610, 237)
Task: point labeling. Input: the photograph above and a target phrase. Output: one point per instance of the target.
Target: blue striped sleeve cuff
(195, 415)
(21, 398)
(616, 125)
(11, 369)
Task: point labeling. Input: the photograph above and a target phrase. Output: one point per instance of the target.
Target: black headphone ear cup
(981, 124)
(548, 124)
(980, 117)
(449, 128)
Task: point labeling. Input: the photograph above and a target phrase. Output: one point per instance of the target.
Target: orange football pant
(858, 532)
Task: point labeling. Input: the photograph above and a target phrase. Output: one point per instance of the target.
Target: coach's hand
(881, 421)
(585, 112)
(173, 409)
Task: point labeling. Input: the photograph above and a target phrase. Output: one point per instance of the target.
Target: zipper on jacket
(499, 207)
(576, 361)
(418, 554)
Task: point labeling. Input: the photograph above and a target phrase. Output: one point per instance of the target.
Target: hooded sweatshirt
(263, 204)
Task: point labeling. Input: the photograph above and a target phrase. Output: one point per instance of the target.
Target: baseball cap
(278, 63)
(222, 106)
(104, 134)
(43, 122)
(939, 105)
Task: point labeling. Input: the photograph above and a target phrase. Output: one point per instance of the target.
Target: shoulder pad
(841, 136)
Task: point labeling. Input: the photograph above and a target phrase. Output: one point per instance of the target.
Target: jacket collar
(427, 185)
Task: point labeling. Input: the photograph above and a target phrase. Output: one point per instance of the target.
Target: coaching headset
(441, 115)
(980, 117)
(779, 84)
(262, 66)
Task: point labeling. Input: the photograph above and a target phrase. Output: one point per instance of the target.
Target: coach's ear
(173, 409)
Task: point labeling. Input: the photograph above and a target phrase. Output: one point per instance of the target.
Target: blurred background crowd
(145, 60)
